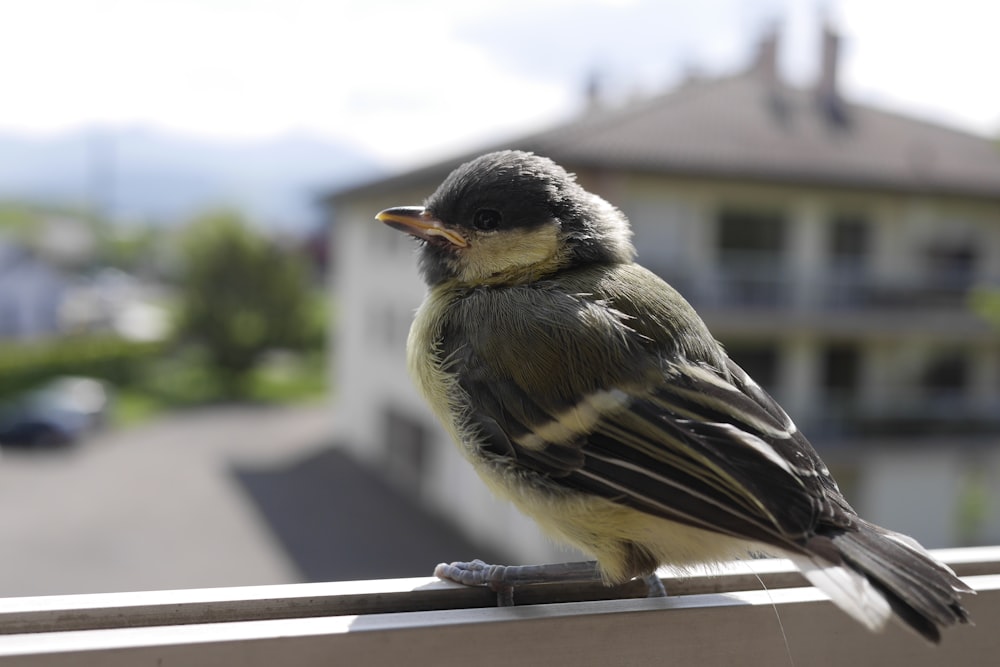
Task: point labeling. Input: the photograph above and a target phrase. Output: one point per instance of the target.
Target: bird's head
(511, 217)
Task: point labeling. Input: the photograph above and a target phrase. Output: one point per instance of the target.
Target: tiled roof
(745, 128)
(741, 127)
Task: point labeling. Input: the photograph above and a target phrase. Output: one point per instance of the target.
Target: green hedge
(24, 366)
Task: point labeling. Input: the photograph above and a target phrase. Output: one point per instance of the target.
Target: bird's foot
(502, 579)
(655, 587)
(478, 573)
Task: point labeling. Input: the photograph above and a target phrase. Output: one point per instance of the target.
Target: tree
(241, 296)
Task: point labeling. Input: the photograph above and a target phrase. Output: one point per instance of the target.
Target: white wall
(925, 492)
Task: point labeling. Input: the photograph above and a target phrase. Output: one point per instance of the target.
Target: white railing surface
(721, 618)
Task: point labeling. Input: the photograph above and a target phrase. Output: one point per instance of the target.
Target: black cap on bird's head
(510, 217)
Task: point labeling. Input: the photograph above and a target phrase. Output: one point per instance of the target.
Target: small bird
(588, 392)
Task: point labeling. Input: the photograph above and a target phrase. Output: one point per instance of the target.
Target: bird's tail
(873, 573)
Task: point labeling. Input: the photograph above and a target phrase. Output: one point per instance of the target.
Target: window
(752, 246)
(946, 374)
(950, 266)
(849, 239)
(759, 360)
(849, 242)
(745, 232)
(841, 370)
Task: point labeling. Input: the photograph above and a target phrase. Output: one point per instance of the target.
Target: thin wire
(781, 626)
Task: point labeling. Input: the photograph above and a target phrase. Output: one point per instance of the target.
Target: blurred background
(202, 376)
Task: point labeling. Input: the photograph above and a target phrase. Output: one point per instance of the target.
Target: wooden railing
(722, 618)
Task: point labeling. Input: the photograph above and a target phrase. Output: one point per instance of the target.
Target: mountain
(146, 175)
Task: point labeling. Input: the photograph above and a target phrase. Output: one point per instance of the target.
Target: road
(151, 507)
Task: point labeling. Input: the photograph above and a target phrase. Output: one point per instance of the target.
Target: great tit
(588, 392)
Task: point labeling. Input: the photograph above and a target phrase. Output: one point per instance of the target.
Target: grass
(185, 381)
(133, 407)
(290, 379)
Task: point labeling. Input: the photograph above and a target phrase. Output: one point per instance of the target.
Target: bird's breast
(435, 382)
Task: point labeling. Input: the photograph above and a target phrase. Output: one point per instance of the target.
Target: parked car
(58, 413)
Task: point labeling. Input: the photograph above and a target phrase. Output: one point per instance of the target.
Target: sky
(413, 81)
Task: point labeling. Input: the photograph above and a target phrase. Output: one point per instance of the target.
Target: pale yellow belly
(604, 529)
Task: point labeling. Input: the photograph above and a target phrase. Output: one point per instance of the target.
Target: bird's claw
(654, 586)
(479, 573)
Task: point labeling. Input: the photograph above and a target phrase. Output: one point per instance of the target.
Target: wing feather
(674, 430)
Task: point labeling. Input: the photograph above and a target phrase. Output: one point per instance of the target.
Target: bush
(24, 366)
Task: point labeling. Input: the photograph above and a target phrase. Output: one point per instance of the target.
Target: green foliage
(17, 220)
(184, 380)
(133, 407)
(985, 302)
(241, 296)
(290, 378)
(241, 299)
(25, 220)
(137, 249)
(973, 508)
(25, 366)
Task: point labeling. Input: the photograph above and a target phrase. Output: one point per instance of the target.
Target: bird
(589, 393)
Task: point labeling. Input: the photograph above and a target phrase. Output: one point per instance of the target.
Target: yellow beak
(417, 221)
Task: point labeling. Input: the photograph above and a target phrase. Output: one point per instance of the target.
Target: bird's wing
(674, 437)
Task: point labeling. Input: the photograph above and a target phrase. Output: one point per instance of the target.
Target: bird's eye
(486, 219)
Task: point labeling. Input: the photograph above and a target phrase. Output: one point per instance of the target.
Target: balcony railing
(928, 417)
(770, 284)
(721, 618)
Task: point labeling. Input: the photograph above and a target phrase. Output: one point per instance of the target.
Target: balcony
(926, 418)
(723, 618)
(769, 286)
(759, 297)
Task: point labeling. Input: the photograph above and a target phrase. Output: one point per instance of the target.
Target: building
(31, 292)
(830, 246)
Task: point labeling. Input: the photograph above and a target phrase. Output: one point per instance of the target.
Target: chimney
(592, 91)
(765, 65)
(827, 92)
(765, 69)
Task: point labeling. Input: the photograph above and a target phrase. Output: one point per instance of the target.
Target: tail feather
(848, 589)
(871, 573)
